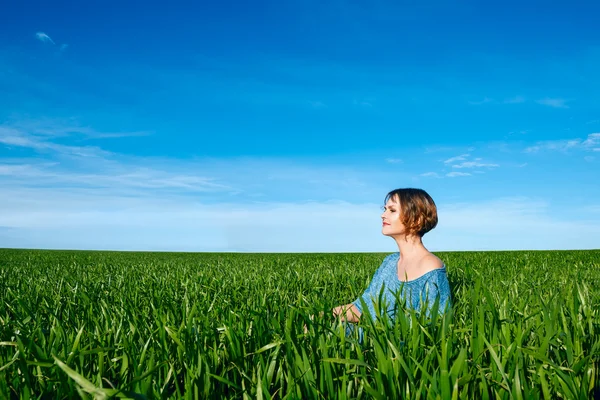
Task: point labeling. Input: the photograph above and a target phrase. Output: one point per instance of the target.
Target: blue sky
(280, 126)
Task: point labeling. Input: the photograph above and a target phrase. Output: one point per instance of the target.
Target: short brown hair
(418, 210)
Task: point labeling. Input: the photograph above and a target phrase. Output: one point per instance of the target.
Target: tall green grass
(160, 325)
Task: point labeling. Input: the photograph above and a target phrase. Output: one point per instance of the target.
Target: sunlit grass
(160, 325)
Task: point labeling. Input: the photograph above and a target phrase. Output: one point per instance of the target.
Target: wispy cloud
(462, 157)
(592, 140)
(116, 178)
(52, 195)
(41, 36)
(368, 102)
(485, 100)
(56, 128)
(44, 38)
(553, 102)
(53, 160)
(59, 218)
(16, 138)
(456, 174)
(489, 100)
(65, 165)
(505, 220)
(430, 175)
(144, 203)
(113, 135)
(475, 164)
(47, 218)
(393, 160)
(514, 100)
(558, 145)
(23, 171)
(591, 143)
(463, 161)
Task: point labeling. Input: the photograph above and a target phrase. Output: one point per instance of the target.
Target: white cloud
(430, 174)
(515, 100)
(455, 174)
(22, 171)
(57, 128)
(474, 164)
(447, 149)
(393, 160)
(44, 38)
(114, 177)
(592, 140)
(181, 223)
(68, 166)
(560, 145)
(462, 157)
(41, 36)
(589, 158)
(364, 102)
(49, 218)
(480, 102)
(553, 102)
(512, 223)
(487, 100)
(62, 165)
(41, 136)
(17, 138)
(61, 198)
(590, 143)
(112, 135)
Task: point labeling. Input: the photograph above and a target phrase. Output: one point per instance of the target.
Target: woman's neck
(410, 247)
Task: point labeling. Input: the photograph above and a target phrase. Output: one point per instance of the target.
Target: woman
(413, 274)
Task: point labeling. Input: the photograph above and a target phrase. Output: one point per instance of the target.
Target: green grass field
(175, 325)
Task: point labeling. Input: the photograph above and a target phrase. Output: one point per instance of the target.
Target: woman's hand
(347, 312)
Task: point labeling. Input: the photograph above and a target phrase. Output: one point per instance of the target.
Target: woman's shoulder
(392, 257)
(432, 270)
(431, 263)
(388, 265)
(390, 261)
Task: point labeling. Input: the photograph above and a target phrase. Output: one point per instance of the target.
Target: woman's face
(391, 222)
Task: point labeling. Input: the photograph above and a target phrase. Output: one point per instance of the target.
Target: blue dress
(420, 293)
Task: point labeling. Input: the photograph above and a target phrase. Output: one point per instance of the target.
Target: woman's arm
(351, 312)
(347, 312)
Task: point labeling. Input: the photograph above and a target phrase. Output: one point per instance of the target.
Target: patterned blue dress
(420, 293)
